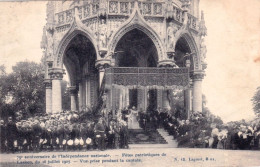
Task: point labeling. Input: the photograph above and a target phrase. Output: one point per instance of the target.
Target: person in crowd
(100, 134)
(20, 136)
(3, 136)
(124, 136)
(12, 134)
(37, 133)
(111, 135)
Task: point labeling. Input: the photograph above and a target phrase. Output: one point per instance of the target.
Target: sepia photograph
(130, 83)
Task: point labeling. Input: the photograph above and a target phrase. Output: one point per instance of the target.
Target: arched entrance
(79, 59)
(136, 49)
(181, 99)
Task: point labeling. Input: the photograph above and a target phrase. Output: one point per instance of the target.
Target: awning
(147, 77)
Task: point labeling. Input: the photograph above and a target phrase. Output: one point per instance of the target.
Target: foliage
(256, 102)
(23, 90)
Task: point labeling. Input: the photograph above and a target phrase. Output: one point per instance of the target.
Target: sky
(233, 49)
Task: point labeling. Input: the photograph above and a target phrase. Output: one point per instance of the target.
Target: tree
(23, 90)
(256, 102)
(2, 70)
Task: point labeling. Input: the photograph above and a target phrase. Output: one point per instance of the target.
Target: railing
(192, 21)
(88, 10)
(123, 8)
(147, 77)
(65, 17)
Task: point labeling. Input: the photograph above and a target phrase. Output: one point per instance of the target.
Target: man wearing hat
(20, 135)
(100, 134)
(28, 134)
(90, 136)
(2, 136)
(37, 133)
(124, 135)
(12, 134)
(54, 134)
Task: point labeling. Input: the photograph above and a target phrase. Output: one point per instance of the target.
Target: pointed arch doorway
(136, 49)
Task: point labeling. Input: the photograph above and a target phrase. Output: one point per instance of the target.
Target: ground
(149, 155)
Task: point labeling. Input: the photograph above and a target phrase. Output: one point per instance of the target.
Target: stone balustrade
(123, 8)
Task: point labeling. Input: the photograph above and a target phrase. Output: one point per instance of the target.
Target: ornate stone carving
(124, 7)
(102, 34)
(202, 27)
(203, 50)
(86, 11)
(157, 9)
(186, 4)
(169, 10)
(147, 9)
(95, 8)
(102, 8)
(91, 23)
(166, 63)
(197, 76)
(102, 64)
(61, 18)
(56, 73)
(113, 7)
(69, 16)
(171, 31)
(48, 83)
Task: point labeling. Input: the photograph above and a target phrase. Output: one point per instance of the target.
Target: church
(125, 53)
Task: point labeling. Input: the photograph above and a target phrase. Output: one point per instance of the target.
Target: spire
(202, 26)
(44, 39)
(50, 16)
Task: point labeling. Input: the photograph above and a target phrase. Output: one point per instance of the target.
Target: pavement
(137, 156)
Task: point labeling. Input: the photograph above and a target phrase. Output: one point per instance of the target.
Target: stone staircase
(151, 138)
(140, 136)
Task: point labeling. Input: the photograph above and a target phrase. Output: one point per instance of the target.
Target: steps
(169, 138)
(139, 136)
(164, 140)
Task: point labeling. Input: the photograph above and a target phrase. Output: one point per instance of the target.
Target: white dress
(132, 120)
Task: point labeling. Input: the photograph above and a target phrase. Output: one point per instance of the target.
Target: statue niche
(171, 31)
(102, 34)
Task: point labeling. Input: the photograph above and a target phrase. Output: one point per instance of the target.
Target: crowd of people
(62, 131)
(202, 132)
(72, 130)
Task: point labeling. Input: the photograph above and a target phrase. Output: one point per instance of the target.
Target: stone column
(159, 98)
(187, 101)
(48, 95)
(191, 95)
(80, 95)
(101, 65)
(126, 97)
(87, 91)
(56, 76)
(73, 98)
(165, 100)
(84, 92)
(197, 92)
(162, 99)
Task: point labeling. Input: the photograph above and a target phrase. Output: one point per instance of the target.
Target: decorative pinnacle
(202, 26)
